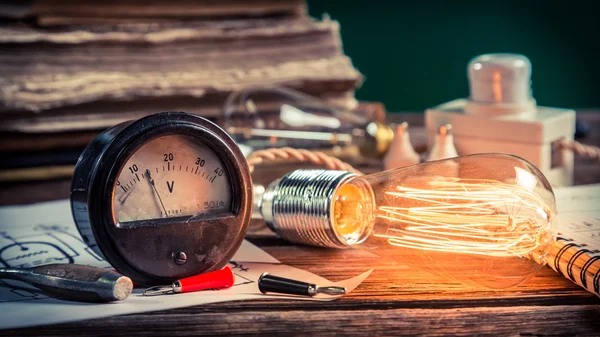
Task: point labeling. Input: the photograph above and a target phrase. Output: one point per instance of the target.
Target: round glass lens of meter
(171, 176)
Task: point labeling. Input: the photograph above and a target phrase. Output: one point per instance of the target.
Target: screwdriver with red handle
(219, 279)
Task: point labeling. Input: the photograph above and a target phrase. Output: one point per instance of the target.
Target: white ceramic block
(529, 137)
(502, 116)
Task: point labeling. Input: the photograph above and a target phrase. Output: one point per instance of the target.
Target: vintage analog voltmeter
(162, 198)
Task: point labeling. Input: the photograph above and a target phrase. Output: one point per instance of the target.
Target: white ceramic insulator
(500, 78)
(444, 145)
(401, 152)
(500, 84)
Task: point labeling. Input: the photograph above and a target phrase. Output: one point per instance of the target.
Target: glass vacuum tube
(278, 117)
(483, 220)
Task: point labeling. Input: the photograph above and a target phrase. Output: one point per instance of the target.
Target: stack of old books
(69, 69)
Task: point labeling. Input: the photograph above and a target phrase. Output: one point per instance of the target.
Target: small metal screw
(180, 258)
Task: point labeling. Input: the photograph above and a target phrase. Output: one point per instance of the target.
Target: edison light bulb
(279, 117)
(487, 222)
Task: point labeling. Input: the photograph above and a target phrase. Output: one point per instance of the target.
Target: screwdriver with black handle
(74, 282)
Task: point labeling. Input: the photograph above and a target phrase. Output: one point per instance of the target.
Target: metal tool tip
(331, 290)
(157, 290)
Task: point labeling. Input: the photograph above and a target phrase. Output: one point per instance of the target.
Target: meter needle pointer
(156, 191)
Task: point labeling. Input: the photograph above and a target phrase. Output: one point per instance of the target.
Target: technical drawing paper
(578, 216)
(44, 233)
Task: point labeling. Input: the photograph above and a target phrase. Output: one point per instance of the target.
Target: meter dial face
(168, 177)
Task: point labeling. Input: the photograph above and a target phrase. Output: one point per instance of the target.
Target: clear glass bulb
(483, 220)
(278, 117)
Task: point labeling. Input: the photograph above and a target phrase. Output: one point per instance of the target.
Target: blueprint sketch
(44, 233)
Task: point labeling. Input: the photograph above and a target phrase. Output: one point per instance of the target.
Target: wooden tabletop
(398, 298)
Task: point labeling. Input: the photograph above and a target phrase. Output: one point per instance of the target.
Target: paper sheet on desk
(45, 233)
(576, 252)
(578, 217)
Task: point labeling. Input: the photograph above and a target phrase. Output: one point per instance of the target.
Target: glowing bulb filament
(470, 216)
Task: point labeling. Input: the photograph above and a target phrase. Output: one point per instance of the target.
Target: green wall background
(414, 54)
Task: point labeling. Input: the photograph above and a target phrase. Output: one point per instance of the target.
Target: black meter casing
(149, 253)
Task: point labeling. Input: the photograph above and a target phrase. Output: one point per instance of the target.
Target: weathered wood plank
(477, 321)
(400, 280)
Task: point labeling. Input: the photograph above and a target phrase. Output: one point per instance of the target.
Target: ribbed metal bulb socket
(298, 207)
